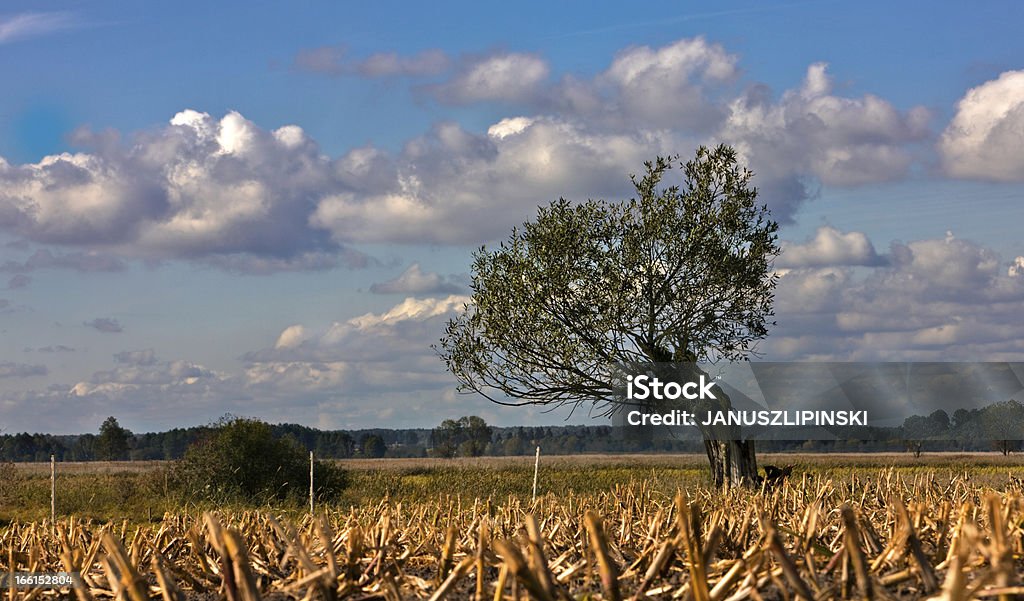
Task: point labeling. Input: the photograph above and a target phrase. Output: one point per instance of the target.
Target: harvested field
(883, 534)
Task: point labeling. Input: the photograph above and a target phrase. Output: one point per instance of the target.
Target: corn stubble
(868, 538)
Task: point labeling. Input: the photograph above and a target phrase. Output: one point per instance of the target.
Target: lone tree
(1002, 423)
(680, 273)
(112, 443)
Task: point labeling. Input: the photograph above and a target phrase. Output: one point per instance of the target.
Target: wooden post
(536, 468)
(311, 482)
(53, 490)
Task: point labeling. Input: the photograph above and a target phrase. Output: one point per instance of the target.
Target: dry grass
(874, 535)
(698, 460)
(89, 467)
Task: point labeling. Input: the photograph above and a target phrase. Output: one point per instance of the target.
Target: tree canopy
(467, 436)
(679, 273)
(112, 443)
(241, 457)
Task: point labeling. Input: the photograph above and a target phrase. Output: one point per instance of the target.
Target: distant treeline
(338, 444)
(996, 427)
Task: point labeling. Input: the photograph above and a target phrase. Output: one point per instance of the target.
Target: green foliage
(917, 429)
(243, 459)
(373, 446)
(147, 491)
(680, 273)
(112, 443)
(1002, 423)
(468, 436)
(513, 446)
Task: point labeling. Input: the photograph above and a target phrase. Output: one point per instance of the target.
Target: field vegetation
(606, 527)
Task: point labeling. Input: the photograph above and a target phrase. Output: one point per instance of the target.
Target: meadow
(947, 526)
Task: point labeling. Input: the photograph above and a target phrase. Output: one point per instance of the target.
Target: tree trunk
(731, 457)
(733, 462)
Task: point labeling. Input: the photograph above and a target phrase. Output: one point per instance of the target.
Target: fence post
(53, 490)
(311, 482)
(536, 468)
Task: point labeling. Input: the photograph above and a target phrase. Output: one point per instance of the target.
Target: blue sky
(268, 209)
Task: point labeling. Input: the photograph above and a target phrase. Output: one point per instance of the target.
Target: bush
(241, 459)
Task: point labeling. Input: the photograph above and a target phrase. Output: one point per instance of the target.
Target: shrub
(241, 459)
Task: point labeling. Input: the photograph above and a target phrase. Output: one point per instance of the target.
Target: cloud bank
(21, 370)
(941, 299)
(226, 192)
(220, 191)
(354, 373)
(932, 299)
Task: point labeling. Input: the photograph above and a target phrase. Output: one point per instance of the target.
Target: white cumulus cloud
(985, 137)
(829, 246)
(452, 186)
(812, 132)
(669, 86)
(222, 191)
(498, 77)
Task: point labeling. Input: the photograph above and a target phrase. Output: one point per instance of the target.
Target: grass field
(140, 491)
(603, 527)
